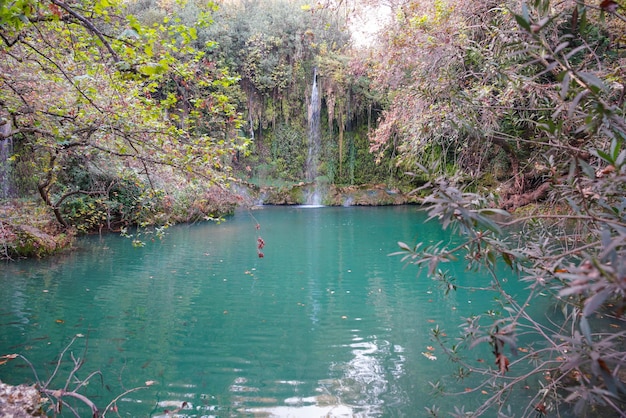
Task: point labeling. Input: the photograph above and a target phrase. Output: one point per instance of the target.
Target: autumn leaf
(609, 6)
(6, 358)
(502, 362)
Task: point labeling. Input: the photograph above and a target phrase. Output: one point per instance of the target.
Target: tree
(575, 251)
(276, 46)
(87, 86)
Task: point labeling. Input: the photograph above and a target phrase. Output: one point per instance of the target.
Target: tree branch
(89, 26)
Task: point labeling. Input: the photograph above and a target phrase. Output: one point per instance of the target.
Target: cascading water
(313, 196)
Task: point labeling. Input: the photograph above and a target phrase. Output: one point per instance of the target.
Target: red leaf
(609, 6)
(261, 255)
(55, 10)
(502, 362)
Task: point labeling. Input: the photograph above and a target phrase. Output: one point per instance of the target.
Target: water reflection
(360, 391)
(326, 324)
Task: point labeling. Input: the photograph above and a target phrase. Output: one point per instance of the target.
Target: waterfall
(312, 160)
(6, 150)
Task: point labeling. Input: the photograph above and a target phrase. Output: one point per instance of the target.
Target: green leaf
(574, 104)
(575, 51)
(587, 169)
(151, 69)
(561, 46)
(565, 83)
(592, 81)
(585, 329)
(492, 211)
(523, 20)
(593, 303)
(605, 156)
(615, 149)
(507, 259)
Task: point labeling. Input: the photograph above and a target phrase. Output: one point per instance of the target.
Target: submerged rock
(19, 401)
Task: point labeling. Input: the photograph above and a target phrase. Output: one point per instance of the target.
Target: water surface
(325, 324)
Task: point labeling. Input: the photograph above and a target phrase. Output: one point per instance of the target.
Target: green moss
(30, 242)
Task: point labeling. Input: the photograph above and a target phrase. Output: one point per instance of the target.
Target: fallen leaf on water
(468, 389)
(484, 392)
(59, 321)
(480, 360)
(430, 348)
(429, 356)
(7, 357)
(614, 325)
(523, 349)
(431, 320)
(150, 382)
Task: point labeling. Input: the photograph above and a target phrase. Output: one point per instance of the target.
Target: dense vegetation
(533, 95)
(146, 112)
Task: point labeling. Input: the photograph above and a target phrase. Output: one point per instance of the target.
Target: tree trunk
(522, 199)
(43, 187)
(518, 177)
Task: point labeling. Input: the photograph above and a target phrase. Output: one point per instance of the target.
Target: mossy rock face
(31, 242)
(363, 195)
(294, 195)
(367, 195)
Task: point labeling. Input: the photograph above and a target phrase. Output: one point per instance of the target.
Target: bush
(576, 256)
